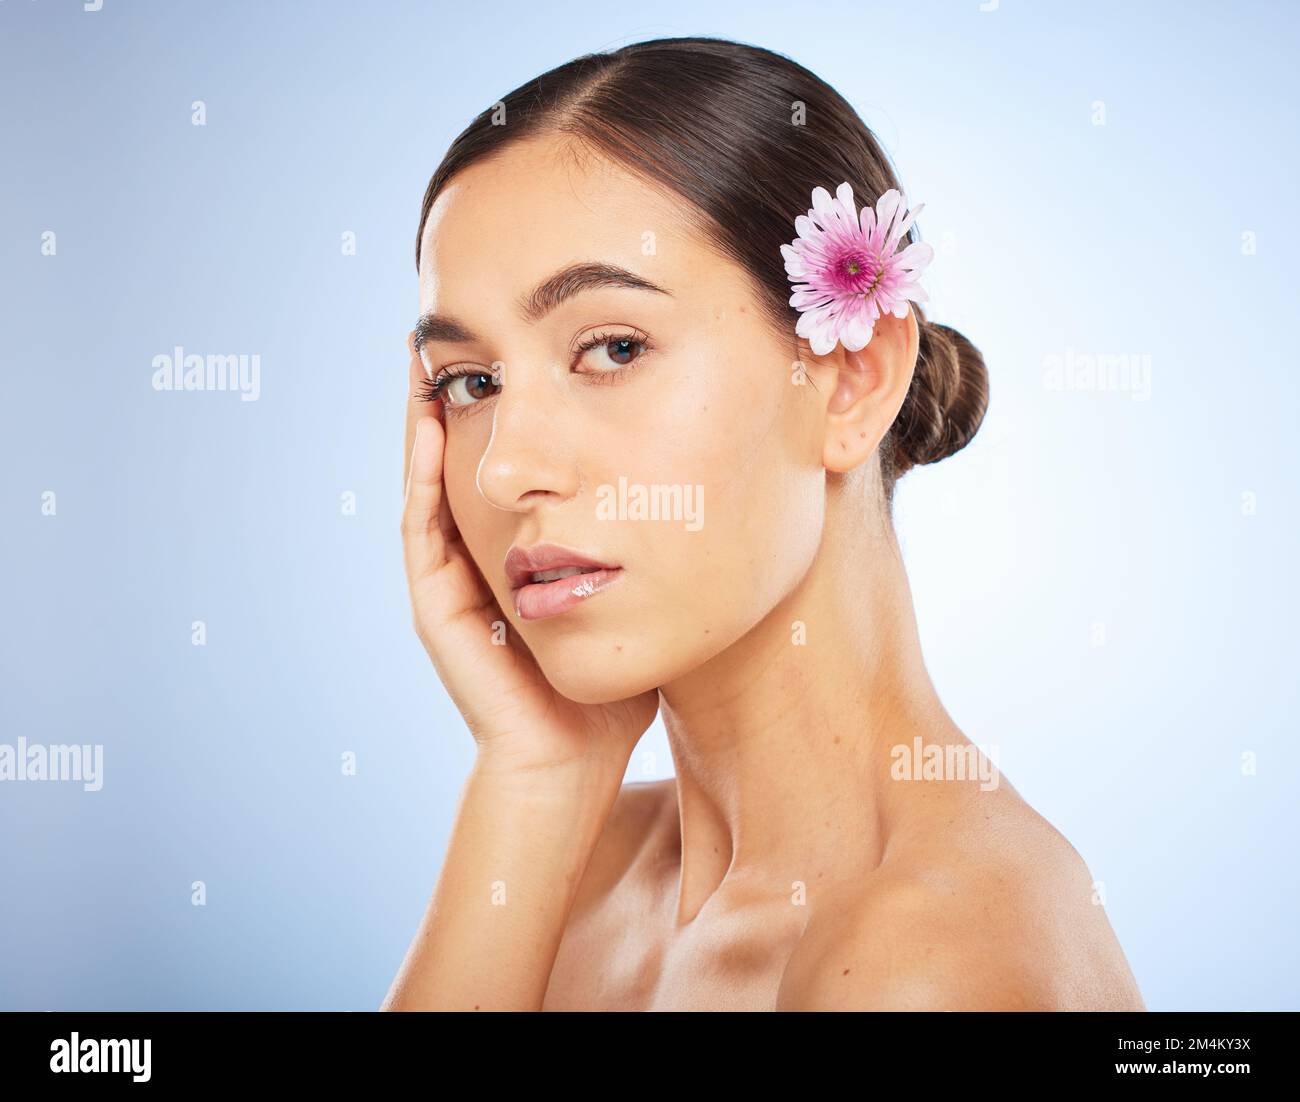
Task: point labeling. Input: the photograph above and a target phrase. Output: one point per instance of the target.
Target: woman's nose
(529, 458)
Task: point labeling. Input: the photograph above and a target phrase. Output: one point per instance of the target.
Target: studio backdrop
(250, 768)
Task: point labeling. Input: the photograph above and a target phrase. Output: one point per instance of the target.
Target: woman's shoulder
(984, 907)
(643, 812)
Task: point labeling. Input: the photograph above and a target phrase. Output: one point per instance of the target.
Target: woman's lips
(537, 600)
(537, 596)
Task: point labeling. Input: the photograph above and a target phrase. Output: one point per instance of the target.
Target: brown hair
(715, 122)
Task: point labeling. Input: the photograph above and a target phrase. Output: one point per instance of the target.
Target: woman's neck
(782, 742)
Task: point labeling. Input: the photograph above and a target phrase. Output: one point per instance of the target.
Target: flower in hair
(845, 271)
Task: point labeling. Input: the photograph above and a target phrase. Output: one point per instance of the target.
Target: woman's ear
(865, 390)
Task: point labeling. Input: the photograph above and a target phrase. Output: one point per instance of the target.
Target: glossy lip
(523, 562)
(540, 600)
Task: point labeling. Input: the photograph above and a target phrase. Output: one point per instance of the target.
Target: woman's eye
(466, 389)
(620, 351)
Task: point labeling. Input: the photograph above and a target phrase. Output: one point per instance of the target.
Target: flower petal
(886, 209)
(856, 333)
(915, 257)
(803, 300)
(844, 193)
(904, 224)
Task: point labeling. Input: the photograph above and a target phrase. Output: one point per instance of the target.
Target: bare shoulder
(640, 808)
(988, 907)
(639, 818)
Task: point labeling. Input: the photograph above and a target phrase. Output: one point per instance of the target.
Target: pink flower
(849, 271)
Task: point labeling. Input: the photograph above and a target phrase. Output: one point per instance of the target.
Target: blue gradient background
(1070, 509)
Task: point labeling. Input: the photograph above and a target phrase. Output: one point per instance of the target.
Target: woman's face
(685, 401)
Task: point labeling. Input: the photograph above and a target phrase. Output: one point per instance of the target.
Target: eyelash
(432, 389)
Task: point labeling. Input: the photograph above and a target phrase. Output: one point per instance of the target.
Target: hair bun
(945, 403)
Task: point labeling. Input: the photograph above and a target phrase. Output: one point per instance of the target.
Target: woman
(635, 484)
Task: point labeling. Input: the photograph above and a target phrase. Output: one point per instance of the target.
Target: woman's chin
(596, 680)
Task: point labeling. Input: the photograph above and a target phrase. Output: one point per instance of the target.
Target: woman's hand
(518, 720)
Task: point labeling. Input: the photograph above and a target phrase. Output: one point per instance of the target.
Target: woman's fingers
(422, 535)
(455, 613)
(445, 584)
(444, 580)
(418, 408)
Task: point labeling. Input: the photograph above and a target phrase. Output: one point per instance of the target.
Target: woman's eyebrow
(545, 297)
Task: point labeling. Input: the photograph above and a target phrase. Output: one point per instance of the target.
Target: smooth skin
(783, 867)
